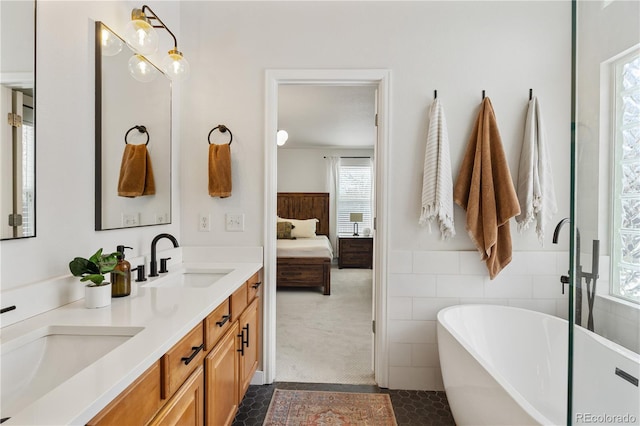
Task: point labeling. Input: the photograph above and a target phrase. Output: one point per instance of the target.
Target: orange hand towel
(136, 173)
(220, 170)
(484, 188)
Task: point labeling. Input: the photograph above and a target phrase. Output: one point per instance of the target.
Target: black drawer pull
(241, 336)
(8, 309)
(245, 342)
(256, 285)
(188, 359)
(224, 320)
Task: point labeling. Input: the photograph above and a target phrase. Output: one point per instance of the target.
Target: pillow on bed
(284, 231)
(303, 228)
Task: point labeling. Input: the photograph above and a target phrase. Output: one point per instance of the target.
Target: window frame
(358, 162)
(616, 173)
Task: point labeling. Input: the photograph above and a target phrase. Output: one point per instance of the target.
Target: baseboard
(258, 378)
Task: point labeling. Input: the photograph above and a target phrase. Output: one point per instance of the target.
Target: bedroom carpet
(321, 408)
(326, 339)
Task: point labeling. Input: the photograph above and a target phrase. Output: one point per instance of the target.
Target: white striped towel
(437, 183)
(535, 189)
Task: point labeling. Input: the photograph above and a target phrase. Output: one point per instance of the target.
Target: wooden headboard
(306, 205)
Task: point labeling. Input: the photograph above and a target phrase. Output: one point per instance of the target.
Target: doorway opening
(278, 83)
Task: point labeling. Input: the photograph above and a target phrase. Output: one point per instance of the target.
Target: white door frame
(351, 77)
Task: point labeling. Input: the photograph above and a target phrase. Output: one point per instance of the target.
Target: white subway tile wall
(421, 283)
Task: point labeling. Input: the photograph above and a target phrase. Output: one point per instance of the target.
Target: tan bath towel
(485, 190)
(136, 173)
(220, 170)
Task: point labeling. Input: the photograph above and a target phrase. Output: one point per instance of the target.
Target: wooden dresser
(355, 251)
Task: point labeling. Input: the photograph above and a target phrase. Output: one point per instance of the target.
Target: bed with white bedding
(305, 262)
(318, 246)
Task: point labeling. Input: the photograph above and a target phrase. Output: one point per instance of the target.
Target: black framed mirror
(18, 111)
(132, 139)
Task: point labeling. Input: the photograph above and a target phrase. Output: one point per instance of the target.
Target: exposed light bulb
(141, 69)
(175, 66)
(110, 44)
(141, 37)
(281, 137)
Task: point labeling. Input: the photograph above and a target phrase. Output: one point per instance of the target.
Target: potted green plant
(98, 291)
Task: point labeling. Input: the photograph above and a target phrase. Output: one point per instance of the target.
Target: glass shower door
(604, 338)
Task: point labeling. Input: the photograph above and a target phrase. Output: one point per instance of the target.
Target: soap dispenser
(121, 282)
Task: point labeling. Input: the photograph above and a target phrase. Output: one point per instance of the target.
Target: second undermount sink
(34, 364)
(193, 278)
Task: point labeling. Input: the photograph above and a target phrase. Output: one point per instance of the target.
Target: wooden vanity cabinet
(249, 334)
(135, 405)
(221, 385)
(186, 407)
(203, 377)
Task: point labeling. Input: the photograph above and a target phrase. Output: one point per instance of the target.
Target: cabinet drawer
(216, 324)
(239, 301)
(304, 274)
(135, 405)
(181, 360)
(253, 286)
(356, 246)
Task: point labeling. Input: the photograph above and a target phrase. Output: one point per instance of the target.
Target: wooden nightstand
(355, 251)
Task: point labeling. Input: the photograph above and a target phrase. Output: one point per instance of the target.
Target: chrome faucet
(153, 265)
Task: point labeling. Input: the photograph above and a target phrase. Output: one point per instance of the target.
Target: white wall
(65, 145)
(458, 48)
(305, 170)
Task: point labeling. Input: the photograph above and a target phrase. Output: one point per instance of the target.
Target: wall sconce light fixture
(355, 218)
(141, 69)
(281, 137)
(141, 36)
(110, 44)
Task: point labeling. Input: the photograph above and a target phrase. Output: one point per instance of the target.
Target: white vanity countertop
(166, 314)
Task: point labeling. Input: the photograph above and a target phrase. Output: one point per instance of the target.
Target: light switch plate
(234, 222)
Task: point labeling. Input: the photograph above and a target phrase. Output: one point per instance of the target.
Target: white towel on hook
(535, 190)
(437, 183)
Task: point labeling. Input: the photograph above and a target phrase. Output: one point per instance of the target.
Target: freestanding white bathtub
(508, 366)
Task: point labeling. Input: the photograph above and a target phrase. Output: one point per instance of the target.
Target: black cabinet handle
(224, 320)
(246, 342)
(7, 309)
(188, 359)
(256, 285)
(241, 336)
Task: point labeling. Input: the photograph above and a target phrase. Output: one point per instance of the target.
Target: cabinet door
(136, 405)
(221, 380)
(186, 407)
(248, 352)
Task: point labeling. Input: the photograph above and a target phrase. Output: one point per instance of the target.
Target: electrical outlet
(131, 219)
(204, 222)
(234, 222)
(162, 218)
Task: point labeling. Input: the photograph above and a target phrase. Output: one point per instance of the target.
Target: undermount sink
(196, 278)
(38, 362)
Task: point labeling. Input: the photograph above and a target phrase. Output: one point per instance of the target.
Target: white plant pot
(97, 296)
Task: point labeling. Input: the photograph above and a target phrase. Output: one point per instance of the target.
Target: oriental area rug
(319, 408)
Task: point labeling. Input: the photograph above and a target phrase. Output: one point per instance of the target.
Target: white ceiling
(322, 116)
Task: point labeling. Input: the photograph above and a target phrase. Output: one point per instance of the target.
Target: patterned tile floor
(412, 408)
